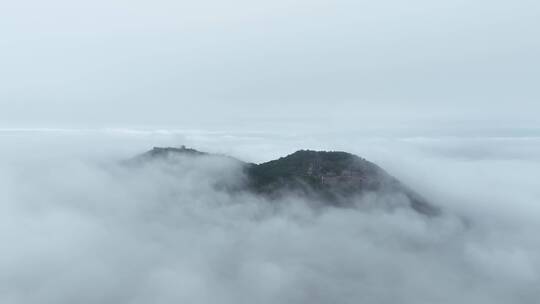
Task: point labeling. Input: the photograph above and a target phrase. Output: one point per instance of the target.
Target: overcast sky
(153, 63)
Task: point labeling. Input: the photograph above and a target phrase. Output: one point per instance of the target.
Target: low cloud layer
(80, 228)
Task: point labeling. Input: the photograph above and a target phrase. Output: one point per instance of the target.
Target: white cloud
(80, 229)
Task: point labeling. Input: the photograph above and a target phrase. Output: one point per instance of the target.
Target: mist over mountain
(329, 178)
(80, 225)
(306, 152)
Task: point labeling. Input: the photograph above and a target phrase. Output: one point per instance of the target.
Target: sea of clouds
(77, 226)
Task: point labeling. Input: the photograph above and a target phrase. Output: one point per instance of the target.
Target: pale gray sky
(153, 63)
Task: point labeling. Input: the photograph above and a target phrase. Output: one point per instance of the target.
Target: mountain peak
(165, 151)
(333, 177)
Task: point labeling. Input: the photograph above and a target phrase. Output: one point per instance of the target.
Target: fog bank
(78, 227)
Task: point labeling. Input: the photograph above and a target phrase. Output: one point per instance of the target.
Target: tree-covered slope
(336, 178)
